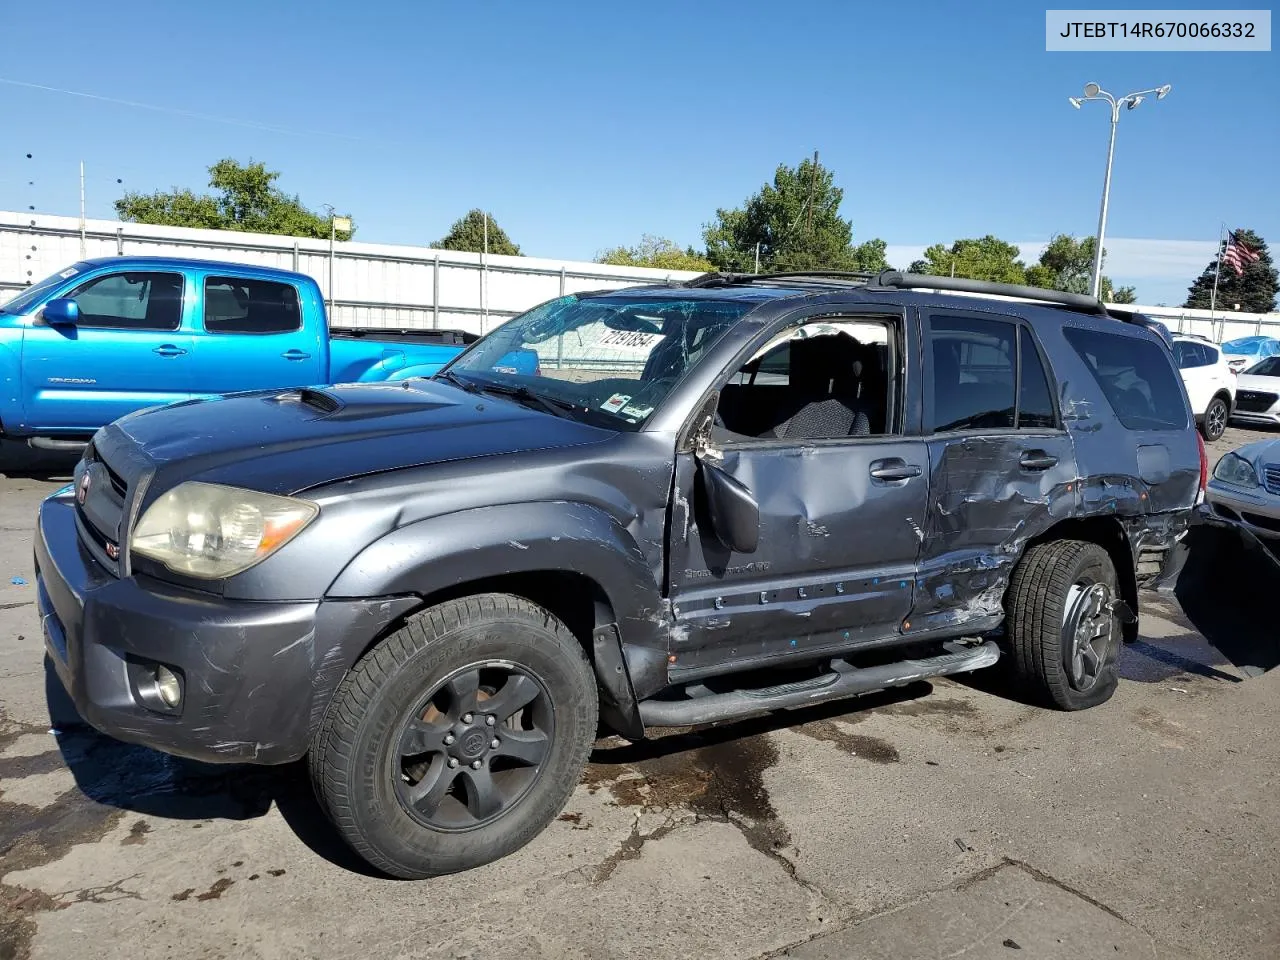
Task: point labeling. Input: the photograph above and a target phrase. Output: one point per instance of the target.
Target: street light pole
(1094, 92)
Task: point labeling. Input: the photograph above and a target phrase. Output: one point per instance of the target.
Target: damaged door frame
(704, 640)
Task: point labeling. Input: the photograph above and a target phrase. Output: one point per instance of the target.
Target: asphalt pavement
(943, 820)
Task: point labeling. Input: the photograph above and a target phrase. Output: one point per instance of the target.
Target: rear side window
(987, 375)
(1135, 376)
(1192, 355)
(237, 305)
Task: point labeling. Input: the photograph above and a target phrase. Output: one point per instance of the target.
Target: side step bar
(62, 446)
(843, 680)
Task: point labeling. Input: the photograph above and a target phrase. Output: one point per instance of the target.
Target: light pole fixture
(1094, 92)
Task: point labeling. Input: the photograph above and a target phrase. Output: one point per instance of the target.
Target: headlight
(210, 531)
(1235, 470)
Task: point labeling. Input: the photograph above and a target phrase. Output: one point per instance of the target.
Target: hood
(288, 441)
(1251, 381)
(1260, 453)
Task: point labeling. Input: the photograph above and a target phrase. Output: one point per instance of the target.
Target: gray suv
(709, 500)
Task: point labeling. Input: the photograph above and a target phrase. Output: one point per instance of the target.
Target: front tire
(458, 738)
(1064, 637)
(1214, 424)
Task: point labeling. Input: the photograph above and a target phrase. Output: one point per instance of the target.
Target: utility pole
(484, 278)
(82, 238)
(813, 182)
(757, 256)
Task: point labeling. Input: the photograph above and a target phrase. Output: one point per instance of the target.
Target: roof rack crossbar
(1077, 301)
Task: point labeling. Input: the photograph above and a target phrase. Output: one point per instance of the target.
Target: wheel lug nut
(490, 720)
(475, 764)
(466, 718)
(453, 761)
(448, 740)
(495, 744)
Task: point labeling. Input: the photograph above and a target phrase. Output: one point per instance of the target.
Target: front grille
(101, 513)
(1253, 401)
(1271, 477)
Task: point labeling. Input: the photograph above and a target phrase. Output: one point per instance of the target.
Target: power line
(190, 114)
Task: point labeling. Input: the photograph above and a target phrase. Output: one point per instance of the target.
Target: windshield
(35, 292)
(1269, 367)
(605, 359)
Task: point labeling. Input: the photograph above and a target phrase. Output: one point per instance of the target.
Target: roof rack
(1076, 301)
(719, 279)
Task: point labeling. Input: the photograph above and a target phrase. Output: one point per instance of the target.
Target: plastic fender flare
(446, 552)
(384, 368)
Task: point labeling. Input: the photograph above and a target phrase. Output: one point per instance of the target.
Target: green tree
(468, 233)
(984, 258)
(1067, 264)
(655, 252)
(1255, 290)
(246, 199)
(796, 223)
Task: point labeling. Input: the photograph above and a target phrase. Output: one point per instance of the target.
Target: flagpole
(1217, 272)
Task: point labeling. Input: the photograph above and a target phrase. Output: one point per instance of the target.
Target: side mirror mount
(732, 510)
(61, 312)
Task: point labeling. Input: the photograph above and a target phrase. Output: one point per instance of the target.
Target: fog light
(167, 687)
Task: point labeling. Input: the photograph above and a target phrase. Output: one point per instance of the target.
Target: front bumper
(1253, 509)
(1270, 418)
(256, 677)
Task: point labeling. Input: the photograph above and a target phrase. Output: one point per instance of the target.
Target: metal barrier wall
(386, 285)
(368, 284)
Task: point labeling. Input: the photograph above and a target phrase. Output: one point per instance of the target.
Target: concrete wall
(387, 285)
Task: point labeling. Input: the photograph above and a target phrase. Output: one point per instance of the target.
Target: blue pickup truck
(105, 337)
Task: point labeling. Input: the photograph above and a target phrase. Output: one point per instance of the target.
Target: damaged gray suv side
(707, 500)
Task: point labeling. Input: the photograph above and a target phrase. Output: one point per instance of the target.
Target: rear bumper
(256, 677)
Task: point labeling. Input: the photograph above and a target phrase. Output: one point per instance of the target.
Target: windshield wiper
(457, 381)
(557, 408)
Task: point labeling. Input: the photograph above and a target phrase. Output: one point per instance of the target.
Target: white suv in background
(1211, 385)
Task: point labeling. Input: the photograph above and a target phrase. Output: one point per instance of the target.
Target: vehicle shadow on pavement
(1226, 590)
(17, 460)
(144, 781)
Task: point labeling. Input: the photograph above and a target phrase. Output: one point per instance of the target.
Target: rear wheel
(458, 738)
(1064, 634)
(1214, 424)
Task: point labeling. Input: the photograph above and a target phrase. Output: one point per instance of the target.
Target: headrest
(825, 361)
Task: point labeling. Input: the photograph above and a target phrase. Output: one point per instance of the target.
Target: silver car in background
(1244, 489)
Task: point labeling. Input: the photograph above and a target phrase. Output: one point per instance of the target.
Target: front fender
(10, 379)
(446, 552)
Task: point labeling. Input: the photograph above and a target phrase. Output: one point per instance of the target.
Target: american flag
(1236, 255)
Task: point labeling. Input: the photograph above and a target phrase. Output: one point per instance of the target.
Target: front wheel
(458, 738)
(1062, 626)
(1214, 424)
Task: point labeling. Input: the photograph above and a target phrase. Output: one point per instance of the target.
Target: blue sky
(585, 125)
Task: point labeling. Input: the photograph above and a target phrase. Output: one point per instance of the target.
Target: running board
(843, 680)
(49, 443)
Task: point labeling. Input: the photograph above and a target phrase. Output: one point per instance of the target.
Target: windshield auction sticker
(1149, 31)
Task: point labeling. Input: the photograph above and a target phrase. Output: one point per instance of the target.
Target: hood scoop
(315, 399)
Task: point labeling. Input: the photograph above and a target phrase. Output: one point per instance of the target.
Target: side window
(974, 373)
(820, 380)
(236, 305)
(1211, 354)
(1191, 355)
(131, 301)
(1135, 377)
(1035, 400)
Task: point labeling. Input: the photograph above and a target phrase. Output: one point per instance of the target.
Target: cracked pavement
(941, 820)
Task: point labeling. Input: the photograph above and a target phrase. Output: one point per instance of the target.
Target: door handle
(295, 355)
(894, 469)
(1037, 460)
(169, 350)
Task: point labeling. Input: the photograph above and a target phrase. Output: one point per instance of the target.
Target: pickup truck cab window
(131, 301)
(240, 305)
(610, 359)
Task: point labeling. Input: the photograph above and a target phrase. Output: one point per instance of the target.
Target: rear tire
(1214, 424)
(416, 776)
(1064, 639)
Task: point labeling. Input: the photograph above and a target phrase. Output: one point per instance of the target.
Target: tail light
(1204, 462)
